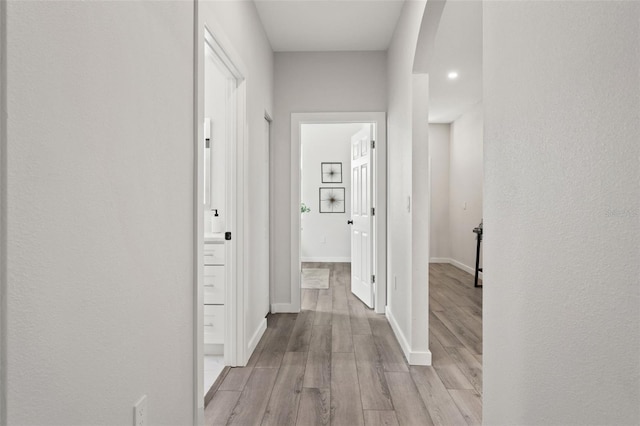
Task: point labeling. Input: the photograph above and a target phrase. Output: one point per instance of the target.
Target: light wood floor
(338, 363)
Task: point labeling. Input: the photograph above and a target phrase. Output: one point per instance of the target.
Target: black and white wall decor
(331, 172)
(331, 200)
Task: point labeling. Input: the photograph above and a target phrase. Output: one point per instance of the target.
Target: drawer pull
(209, 285)
(209, 325)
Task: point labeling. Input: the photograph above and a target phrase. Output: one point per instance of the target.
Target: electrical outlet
(140, 412)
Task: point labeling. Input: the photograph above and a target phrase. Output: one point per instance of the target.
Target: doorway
(324, 202)
(326, 210)
(455, 145)
(220, 138)
(220, 86)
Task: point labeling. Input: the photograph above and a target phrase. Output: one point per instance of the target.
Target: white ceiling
(458, 46)
(329, 25)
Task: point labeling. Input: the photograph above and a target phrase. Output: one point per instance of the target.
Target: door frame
(379, 268)
(272, 207)
(235, 341)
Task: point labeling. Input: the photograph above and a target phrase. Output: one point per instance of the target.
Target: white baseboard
(413, 357)
(455, 263)
(257, 335)
(326, 259)
(283, 308)
(464, 267)
(404, 344)
(420, 358)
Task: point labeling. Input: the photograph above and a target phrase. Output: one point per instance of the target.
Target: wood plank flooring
(338, 363)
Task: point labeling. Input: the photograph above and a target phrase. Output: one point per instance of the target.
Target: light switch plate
(140, 412)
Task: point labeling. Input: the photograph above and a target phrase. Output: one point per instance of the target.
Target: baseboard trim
(215, 386)
(464, 267)
(283, 308)
(404, 344)
(413, 357)
(326, 259)
(455, 263)
(420, 358)
(257, 335)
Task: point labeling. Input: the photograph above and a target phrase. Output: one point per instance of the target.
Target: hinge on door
(373, 211)
(373, 144)
(227, 236)
(373, 279)
(207, 143)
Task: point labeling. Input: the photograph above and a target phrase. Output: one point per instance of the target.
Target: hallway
(338, 363)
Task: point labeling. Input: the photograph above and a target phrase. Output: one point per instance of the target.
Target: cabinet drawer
(214, 324)
(214, 254)
(214, 285)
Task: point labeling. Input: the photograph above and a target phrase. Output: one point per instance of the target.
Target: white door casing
(361, 215)
(379, 199)
(235, 340)
(266, 191)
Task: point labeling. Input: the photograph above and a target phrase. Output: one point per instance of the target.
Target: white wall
(325, 236)
(456, 179)
(99, 292)
(401, 155)
(314, 82)
(562, 207)
(239, 23)
(465, 187)
(99, 261)
(439, 237)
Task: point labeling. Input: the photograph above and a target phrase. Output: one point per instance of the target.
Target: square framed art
(331, 172)
(331, 200)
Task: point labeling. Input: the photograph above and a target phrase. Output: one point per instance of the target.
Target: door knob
(349, 222)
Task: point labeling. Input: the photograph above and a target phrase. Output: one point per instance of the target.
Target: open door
(361, 215)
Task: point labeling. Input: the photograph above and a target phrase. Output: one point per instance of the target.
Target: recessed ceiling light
(452, 75)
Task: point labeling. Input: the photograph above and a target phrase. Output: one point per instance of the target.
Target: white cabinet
(214, 254)
(214, 324)
(214, 284)
(214, 295)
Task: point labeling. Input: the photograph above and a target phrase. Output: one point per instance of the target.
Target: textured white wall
(439, 246)
(465, 186)
(325, 236)
(562, 213)
(418, 344)
(240, 24)
(314, 82)
(99, 211)
(400, 109)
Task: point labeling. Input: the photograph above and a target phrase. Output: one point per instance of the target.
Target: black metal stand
(478, 231)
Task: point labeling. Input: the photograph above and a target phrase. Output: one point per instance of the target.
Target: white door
(361, 215)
